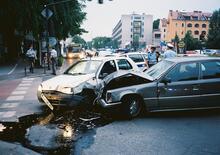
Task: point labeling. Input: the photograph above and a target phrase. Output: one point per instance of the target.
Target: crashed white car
(79, 82)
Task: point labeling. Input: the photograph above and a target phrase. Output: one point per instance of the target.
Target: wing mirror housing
(166, 80)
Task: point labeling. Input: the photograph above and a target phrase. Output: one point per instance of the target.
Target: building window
(203, 25)
(164, 36)
(182, 33)
(197, 25)
(142, 36)
(189, 31)
(182, 24)
(131, 36)
(164, 30)
(131, 30)
(203, 32)
(189, 25)
(131, 23)
(196, 32)
(142, 23)
(176, 24)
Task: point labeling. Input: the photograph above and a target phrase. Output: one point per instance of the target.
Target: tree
(24, 16)
(78, 40)
(190, 42)
(214, 31)
(156, 24)
(101, 42)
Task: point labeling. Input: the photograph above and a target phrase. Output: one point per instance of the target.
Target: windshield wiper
(77, 73)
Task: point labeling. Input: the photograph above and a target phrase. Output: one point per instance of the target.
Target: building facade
(159, 35)
(133, 29)
(179, 22)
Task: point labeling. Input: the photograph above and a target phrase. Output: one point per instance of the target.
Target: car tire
(132, 107)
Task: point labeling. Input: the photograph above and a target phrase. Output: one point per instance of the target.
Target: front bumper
(60, 99)
(105, 104)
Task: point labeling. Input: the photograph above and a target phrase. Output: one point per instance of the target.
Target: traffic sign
(46, 13)
(181, 44)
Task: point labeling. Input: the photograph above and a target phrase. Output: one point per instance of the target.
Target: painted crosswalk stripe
(22, 88)
(28, 79)
(24, 84)
(7, 114)
(15, 98)
(19, 92)
(9, 105)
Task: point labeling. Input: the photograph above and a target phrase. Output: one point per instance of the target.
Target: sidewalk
(18, 71)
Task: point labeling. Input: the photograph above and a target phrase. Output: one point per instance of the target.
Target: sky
(102, 18)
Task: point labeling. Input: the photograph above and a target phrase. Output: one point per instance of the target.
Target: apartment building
(159, 35)
(133, 28)
(179, 22)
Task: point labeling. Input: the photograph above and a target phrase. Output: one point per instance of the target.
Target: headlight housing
(39, 88)
(67, 90)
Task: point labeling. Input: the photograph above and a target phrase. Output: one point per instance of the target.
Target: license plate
(46, 101)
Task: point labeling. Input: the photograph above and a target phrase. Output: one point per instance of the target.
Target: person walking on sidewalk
(31, 55)
(53, 58)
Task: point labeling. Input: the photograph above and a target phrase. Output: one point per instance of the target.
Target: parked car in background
(140, 58)
(172, 84)
(79, 82)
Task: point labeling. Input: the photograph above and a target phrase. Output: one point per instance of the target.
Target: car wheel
(132, 107)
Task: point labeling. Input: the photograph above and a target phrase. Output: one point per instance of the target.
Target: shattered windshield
(157, 70)
(84, 67)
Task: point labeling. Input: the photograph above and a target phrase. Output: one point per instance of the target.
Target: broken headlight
(67, 90)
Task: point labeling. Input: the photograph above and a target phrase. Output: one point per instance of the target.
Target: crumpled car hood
(65, 81)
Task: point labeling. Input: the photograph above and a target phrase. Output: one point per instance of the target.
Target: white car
(140, 58)
(79, 82)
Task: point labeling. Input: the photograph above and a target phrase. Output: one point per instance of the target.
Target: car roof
(104, 58)
(188, 59)
(134, 53)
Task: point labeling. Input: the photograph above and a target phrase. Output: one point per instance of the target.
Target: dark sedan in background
(172, 84)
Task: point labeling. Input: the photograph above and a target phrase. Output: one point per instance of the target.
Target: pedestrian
(169, 53)
(152, 56)
(31, 55)
(53, 58)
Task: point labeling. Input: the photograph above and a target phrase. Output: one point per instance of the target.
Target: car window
(83, 67)
(136, 57)
(145, 56)
(210, 69)
(123, 64)
(184, 72)
(108, 68)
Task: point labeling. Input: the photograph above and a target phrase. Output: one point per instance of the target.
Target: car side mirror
(103, 75)
(166, 80)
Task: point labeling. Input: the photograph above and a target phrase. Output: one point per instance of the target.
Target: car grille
(53, 96)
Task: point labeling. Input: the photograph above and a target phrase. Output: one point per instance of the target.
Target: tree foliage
(190, 42)
(156, 24)
(214, 31)
(24, 16)
(101, 42)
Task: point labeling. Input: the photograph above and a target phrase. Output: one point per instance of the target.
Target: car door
(179, 88)
(107, 68)
(123, 64)
(210, 83)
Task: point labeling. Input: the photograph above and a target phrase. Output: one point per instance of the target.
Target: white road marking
(7, 114)
(21, 88)
(24, 81)
(18, 92)
(12, 69)
(15, 98)
(24, 84)
(9, 105)
(28, 79)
